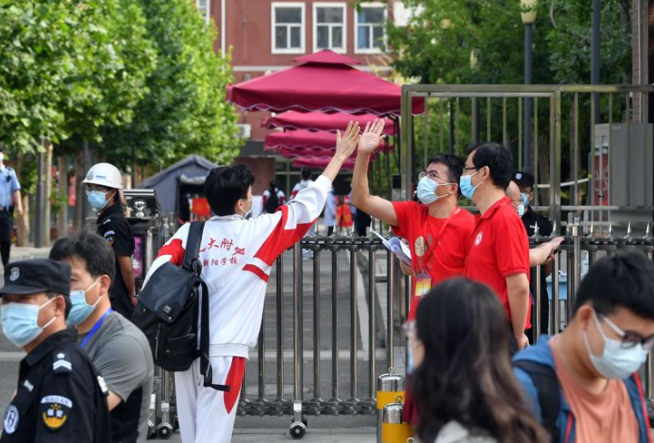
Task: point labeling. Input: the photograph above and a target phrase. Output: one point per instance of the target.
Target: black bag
(547, 387)
(168, 310)
(273, 201)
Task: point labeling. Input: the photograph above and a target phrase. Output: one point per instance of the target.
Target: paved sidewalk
(25, 253)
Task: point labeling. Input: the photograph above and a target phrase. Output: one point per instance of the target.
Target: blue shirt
(8, 185)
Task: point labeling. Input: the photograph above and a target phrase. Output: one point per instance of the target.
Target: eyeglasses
(629, 338)
(431, 175)
(471, 168)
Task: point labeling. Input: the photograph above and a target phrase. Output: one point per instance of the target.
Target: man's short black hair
(227, 185)
(498, 159)
(624, 280)
(305, 172)
(454, 165)
(89, 246)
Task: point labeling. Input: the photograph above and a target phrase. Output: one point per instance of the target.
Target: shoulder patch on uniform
(54, 411)
(11, 419)
(60, 365)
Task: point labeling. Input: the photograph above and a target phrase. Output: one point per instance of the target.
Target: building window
(329, 26)
(370, 32)
(204, 6)
(288, 28)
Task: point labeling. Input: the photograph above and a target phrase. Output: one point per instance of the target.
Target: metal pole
(38, 232)
(527, 156)
(390, 310)
(595, 52)
(335, 331)
(279, 278)
(556, 307)
(354, 324)
(451, 126)
(316, 324)
(297, 332)
(372, 272)
(475, 120)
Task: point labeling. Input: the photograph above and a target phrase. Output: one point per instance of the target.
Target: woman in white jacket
(465, 391)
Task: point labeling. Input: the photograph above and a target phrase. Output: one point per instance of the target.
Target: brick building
(266, 35)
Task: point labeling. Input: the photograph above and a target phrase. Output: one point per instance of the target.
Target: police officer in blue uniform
(9, 200)
(59, 397)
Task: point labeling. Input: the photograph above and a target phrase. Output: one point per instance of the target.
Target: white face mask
(616, 362)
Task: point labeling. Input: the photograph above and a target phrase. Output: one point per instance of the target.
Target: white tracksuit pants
(205, 414)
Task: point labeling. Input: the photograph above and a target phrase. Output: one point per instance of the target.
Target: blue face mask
(20, 322)
(615, 362)
(80, 310)
(97, 199)
(466, 185)
(525, 199)
(427, 191)
(521, 209)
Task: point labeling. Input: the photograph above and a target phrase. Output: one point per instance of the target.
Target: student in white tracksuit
(237, 257)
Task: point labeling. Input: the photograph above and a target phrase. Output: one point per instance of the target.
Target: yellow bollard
(390, 386)
(393, 429)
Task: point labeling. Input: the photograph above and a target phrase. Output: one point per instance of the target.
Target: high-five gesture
(347, 143)
(372, 136)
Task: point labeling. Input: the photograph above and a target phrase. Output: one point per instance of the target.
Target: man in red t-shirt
(437, 230)
(498, 253)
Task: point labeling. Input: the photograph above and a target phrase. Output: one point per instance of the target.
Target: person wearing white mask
(10, 199)
(103, 191)
(583, 384)
(59, 397)
(436, 228)
(117, 348)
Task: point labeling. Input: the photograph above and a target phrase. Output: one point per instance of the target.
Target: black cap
(35, 276)
(524, 178)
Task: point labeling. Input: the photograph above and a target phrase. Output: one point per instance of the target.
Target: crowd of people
(472, 375)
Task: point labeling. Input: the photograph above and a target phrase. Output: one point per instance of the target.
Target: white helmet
(104, 174)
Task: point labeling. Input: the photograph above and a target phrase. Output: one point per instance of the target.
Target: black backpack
(168, 310)
(273, 201)
(549, 398)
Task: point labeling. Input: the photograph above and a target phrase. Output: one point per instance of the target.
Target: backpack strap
(201, 289)
(193, 245)
(547, 387)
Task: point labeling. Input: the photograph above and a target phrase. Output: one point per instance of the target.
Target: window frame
(343, 6)
(372, 5)
(207, 11)
(288, 5)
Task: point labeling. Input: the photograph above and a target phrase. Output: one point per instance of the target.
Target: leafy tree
(185, 110)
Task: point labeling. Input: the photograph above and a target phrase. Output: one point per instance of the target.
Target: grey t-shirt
(121, 353)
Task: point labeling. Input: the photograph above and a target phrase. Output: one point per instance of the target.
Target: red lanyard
(432, 248)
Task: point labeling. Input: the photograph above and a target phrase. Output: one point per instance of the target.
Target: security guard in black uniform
(103, 184)
(530, 219)
(60, 397)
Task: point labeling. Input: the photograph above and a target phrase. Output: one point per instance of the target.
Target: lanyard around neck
(95, 328)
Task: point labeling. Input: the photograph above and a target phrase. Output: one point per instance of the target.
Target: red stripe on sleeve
(281, 239)
(175, 250)
(256, 271)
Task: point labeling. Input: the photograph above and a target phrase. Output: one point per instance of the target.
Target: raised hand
(347, 143)
(372, 136)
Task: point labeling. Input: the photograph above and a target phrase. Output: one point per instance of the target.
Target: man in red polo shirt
(498, 253)
(437, 229)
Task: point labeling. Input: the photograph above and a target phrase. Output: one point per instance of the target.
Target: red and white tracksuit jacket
(237, 257)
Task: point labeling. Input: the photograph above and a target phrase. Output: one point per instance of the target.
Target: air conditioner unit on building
(244, 131)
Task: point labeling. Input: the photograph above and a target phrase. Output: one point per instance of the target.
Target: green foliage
(185, 111)
(125, 75)
(437, 44)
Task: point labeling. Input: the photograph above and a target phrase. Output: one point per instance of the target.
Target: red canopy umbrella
(320, 162)
(311, 152)
(319, 121)
(303, 138)
(323, 81)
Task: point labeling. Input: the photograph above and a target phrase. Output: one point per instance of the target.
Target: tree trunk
(62, 182)
(47, 193)
(22, 223)
(78, 217)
